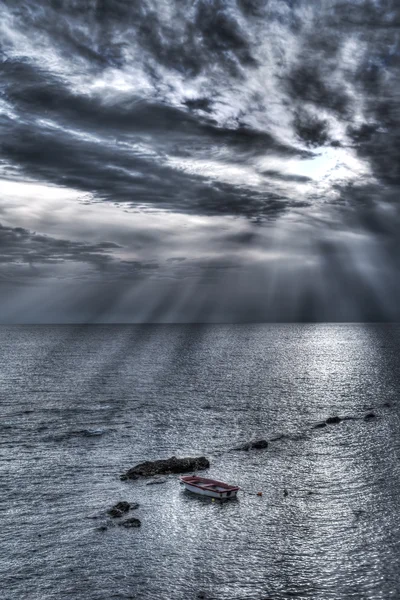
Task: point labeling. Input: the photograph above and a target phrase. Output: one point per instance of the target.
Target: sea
(82, 404)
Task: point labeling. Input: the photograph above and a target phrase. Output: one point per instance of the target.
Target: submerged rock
(278, 437)
(121, 508)
(258, 445)
(369, 416)
(320, 425)
(333, 420)
(128, 523)
(157, 481)
(164, 467)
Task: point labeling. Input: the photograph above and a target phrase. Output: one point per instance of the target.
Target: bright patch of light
(224, 172)
(328, 166)
(332, 163)
(24, 190)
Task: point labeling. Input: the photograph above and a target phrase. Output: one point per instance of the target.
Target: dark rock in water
(115, 513)
(102, 528)
(333, 420)
(387, 404)
(244, 447)
(281, 436)
(128, 523)
(156, 481)
(258, 445)
(87, 432)
(320, 425)
(121, 508)
(285, 493)
(369, 416)
(125, 476)
(164, 467)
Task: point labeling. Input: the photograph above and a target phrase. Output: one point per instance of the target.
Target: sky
(199, 161)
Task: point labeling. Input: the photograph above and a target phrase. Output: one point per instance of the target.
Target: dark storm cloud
(211, 108)
(197, 32)
(114, 173)
(19, 246)
(57, 151)
(286, 176)
(376, 139)
(45, 135)
(189, 39)
(311, 129)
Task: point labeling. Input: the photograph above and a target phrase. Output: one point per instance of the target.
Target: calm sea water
(80, 405)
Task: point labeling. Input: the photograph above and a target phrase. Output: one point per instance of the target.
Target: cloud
(279, 114)
(116, 146)
(20, 247)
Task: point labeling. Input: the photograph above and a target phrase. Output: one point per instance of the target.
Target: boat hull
(209, 487)
(210, 493)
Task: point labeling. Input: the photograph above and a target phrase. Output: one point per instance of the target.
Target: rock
(320, 425)
(128, 523)
(121, 508)
(369, 416)
(164, 467)
(333, 420)
(285, 493)
(131, 476)
(281, 436)
(258, 445)
(102, 528)
(114, 513)
(243, 447)
(156, 481)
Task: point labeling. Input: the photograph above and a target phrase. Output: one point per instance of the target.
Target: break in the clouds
(206, 160)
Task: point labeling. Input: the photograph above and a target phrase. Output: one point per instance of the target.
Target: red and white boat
(209, 487)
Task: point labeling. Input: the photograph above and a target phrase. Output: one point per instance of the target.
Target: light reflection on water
(80, 405)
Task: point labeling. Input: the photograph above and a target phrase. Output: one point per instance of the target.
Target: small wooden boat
(209, 487)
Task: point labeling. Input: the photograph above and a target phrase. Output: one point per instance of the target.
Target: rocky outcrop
(320, 425)
(167, 466)
(157, 481)
(278, 437)
(257, 445)
(370, 416)
(121, 508)
(333, 420)
(128, 523)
